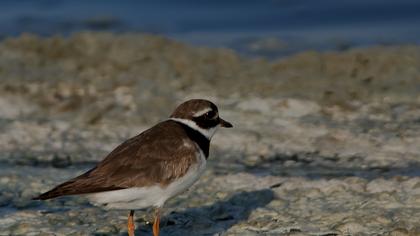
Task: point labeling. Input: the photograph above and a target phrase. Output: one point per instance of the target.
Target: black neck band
(198, 138)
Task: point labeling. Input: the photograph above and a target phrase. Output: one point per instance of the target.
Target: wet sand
(324, 143)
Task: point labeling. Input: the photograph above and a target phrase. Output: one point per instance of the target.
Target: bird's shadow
(215, 218)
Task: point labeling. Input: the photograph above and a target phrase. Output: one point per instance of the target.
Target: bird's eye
(210, 114)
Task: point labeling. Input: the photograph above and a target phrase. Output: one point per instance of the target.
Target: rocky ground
(323, 144)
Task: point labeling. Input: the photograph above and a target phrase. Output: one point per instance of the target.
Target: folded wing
(158, 155)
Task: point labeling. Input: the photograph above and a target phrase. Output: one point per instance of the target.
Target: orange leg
(156, 223)
(131, 223)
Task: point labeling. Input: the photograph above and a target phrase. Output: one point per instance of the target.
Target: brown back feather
(158, 155)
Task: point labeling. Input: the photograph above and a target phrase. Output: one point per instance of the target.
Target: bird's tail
(60, 190)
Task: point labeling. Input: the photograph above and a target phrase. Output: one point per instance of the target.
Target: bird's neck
(195, 135)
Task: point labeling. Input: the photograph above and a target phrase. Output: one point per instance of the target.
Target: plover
(152, 167)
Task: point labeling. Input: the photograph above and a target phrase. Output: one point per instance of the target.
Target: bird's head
(201, 115)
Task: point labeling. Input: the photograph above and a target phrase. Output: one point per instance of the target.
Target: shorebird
(152, 167)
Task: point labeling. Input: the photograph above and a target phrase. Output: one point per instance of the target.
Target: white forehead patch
(202, 112)
(208, 133)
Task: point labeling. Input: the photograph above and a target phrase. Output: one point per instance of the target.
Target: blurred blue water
(244, 25)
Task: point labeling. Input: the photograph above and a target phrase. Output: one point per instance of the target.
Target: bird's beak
(225, 124)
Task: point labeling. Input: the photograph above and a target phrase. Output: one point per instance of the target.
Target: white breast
(143, 197)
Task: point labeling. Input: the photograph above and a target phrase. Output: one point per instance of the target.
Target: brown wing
(158, 155)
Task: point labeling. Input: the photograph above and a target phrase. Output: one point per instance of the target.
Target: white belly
(143, 197)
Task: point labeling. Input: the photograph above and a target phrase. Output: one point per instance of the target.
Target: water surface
(266, 27)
